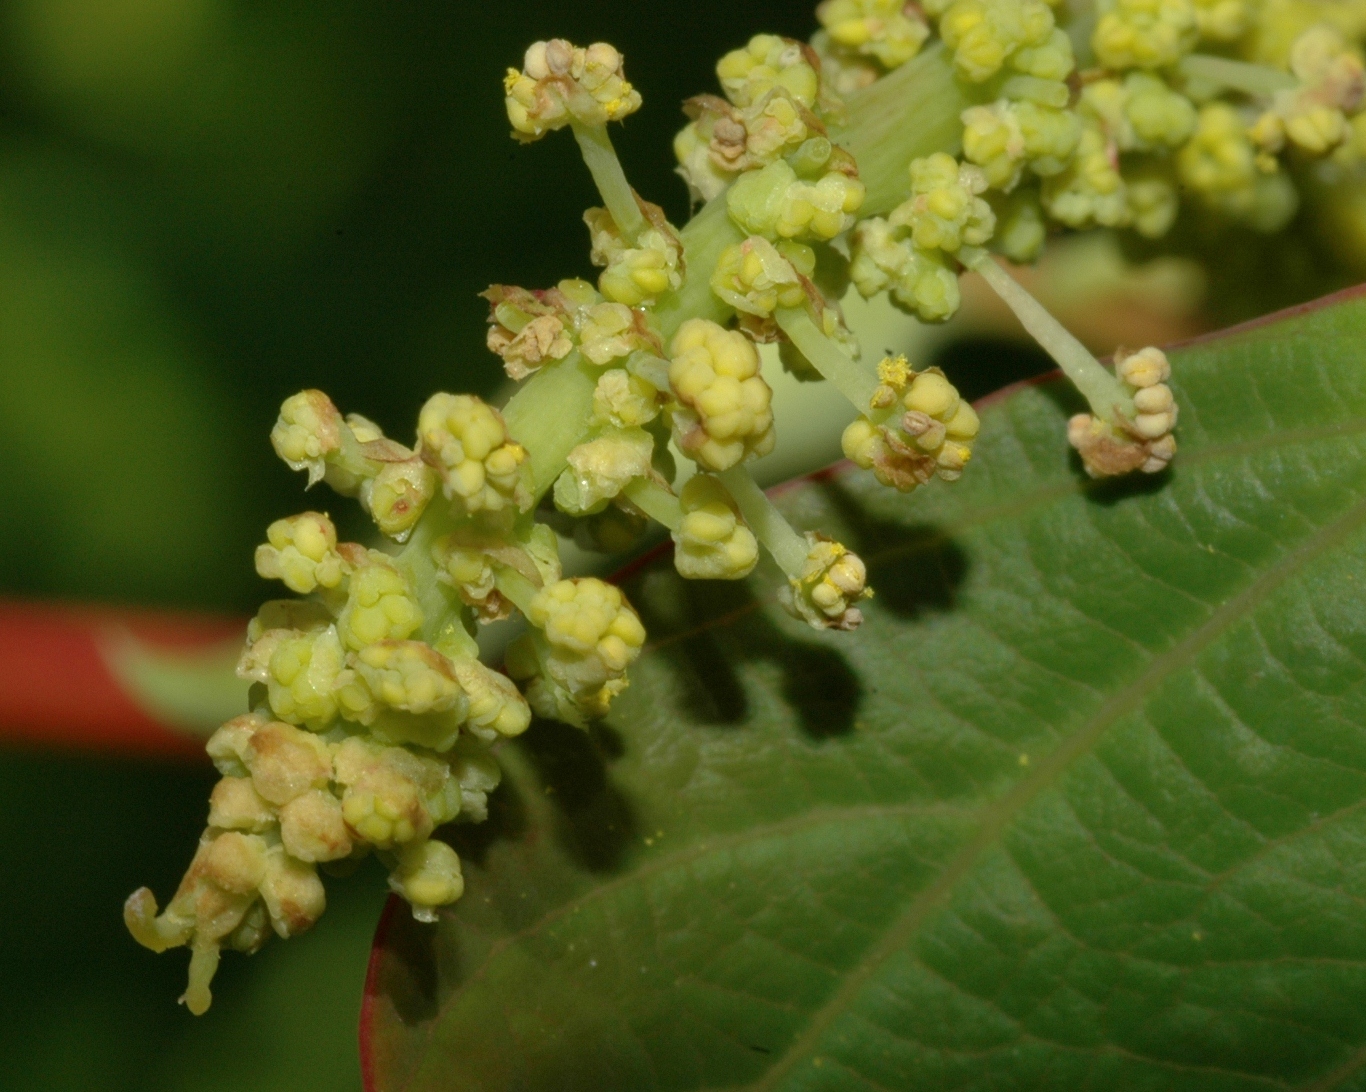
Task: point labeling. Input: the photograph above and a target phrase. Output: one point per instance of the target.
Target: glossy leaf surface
(1082, 806)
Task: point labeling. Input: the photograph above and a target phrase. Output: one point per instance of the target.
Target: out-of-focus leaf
(1081, 806)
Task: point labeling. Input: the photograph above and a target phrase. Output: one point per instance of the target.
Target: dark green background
(206, 205)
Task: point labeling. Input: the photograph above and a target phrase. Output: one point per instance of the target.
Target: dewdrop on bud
(601, 468)
(756, 277)
(301, 551)
(1143, 442)
(891, 31)
(712, 542)
(427, 876)
(769, 61)
(482, 468)
(726, 414)
(562, 83)
(833, 579)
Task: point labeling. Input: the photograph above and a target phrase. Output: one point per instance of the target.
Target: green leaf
(1082, 806)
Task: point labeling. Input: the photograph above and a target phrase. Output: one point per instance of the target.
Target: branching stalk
(603, 164)
(1102, 390)
(655, 501)
(788, 548)
(849, 377)
(1251, 79)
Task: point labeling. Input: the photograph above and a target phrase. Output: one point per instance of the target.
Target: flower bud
(712, 541)
(726, 415)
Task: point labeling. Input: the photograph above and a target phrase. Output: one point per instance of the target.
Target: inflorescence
(372, 718)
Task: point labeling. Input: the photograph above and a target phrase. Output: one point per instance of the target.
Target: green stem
(1102, 390)
(603, 164)
(851, 379)
(1251, 79)
(788, 548)
(418, 566)
(910, 112)
(655, 501)
(515, 587)
(551, 414)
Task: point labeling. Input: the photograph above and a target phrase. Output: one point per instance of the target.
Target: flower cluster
(372, 719)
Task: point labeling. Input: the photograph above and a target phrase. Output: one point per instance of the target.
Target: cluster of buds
(1141, 440)
(372, 719)
(931, 438)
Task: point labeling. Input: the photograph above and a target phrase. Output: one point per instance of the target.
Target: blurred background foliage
(206, 205)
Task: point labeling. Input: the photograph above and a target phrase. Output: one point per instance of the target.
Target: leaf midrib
(996, 817)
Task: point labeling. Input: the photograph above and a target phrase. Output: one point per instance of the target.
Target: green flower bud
(712, 541)
(397, 496)
(299, 668)
(496, 708)
(409, 676)
(774, 203)
(944, 211)
(1145, 33)
(482, 468)
(1141, 113)
(768, 61)
(625, 400)
(390, 795)
(1143, 442)
(600, 468)
(380, 606)
(560, 83)
(891, 31)
(302, 551)
(577, 663)
(307, 432)
(312, 828)
(984, 34)
(933, 437)
(919, 280)
(1091, 190)
(1313, 116)
(832, 581)
(641, 273)
(427, 876)
(725, 413)
(235, 804)
(1224, 20)
(757, 278)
